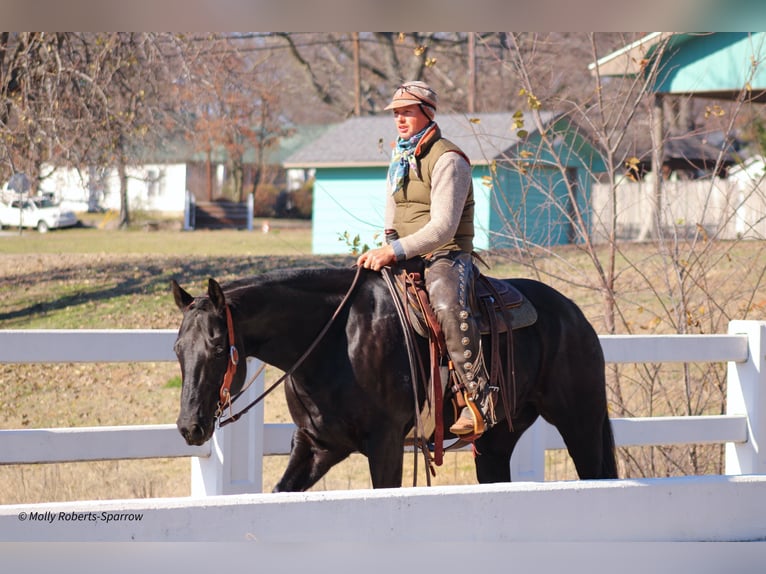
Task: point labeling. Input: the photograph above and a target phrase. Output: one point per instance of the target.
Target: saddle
(499, 308)
(497, 305)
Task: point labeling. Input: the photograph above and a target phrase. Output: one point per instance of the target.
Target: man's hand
(376, 259)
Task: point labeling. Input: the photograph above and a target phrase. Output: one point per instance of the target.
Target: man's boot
(478, 414)
(463, 341)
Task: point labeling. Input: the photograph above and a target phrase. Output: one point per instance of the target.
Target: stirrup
(478, 419)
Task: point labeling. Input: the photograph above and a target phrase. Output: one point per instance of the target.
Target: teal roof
(712, 64)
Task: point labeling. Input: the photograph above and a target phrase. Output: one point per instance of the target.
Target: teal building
(532, 178)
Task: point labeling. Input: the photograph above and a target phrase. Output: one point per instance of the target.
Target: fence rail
(232, 461)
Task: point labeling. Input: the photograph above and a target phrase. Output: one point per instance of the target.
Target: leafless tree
(232, 98)
(671, 284)
(84, 99)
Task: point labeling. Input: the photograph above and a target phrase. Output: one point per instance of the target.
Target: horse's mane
(326, 280)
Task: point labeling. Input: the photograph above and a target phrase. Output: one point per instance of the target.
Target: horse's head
(203, 350)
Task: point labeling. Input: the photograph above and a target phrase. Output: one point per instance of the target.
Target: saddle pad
(522, 315)
(509, 295)
(501, 294)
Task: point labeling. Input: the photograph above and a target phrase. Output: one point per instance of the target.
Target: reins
(225, 398)
(417, 373)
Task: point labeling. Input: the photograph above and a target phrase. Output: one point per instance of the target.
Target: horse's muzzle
(194, 433)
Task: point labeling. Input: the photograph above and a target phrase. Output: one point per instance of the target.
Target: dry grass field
(89, 278)
(86, 278)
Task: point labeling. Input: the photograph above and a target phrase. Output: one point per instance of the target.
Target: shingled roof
(367, 141)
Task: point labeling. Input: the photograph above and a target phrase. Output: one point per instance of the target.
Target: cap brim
(402, 104)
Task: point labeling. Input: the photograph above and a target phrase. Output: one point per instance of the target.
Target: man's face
(410, 120)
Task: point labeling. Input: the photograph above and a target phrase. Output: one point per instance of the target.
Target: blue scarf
(403, 159)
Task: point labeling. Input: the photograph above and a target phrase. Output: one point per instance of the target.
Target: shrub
(265, 200)
(303, 199)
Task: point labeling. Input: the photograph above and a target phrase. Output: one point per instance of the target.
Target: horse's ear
(182, 298)
(216, 295)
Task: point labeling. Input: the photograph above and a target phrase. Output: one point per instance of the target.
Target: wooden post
(357, 77)
(471, 72)
(235, 465)
(746, 394)
(652, 225)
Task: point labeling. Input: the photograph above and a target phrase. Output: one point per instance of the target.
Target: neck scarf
(403, 159)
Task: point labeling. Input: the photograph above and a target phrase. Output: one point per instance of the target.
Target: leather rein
(225, 399)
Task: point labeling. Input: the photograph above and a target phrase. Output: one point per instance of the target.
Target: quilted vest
(413, 201)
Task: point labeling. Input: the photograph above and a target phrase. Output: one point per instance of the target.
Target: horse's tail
(608, 461)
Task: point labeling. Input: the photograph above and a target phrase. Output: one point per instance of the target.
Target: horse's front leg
(308, 463)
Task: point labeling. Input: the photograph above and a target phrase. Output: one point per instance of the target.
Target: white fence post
(528, 459)
(746, 394)
(250, 210)
(189, 212)
(235, 464)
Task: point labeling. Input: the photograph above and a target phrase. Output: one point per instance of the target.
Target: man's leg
(449, 280)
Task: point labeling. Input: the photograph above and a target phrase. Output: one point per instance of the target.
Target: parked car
(40, 213)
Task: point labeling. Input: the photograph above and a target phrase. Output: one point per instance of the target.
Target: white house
(151, 187)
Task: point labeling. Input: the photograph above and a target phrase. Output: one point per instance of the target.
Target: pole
(471, 72)
(357, 77)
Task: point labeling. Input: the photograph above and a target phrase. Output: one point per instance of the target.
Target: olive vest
(413, 201)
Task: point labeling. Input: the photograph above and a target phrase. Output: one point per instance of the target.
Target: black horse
(354, 393)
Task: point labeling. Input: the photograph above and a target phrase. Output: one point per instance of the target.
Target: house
(208, 172)
(718, 66)
(161, 183)
(158, 187)
(520, 177)
(712, 65)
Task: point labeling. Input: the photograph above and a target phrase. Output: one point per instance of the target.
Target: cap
(414, 92)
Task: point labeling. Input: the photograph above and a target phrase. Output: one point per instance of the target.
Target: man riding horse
(429, 220)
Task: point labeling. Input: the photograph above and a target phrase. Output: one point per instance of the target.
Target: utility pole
(471, 72)
(357, 77)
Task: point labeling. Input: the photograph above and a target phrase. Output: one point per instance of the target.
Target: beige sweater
(450, 183)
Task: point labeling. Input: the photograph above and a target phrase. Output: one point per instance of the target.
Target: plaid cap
(415, 92)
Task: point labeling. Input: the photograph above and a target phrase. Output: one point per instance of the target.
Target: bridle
(224, 393)
(225, 399)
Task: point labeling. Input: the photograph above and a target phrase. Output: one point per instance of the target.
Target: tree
(672, 284)
(84, 99)
(231, 98)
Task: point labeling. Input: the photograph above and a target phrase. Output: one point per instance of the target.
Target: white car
(39, 213)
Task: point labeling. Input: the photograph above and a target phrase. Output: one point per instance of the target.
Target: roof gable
(367, 141)
(714, 64)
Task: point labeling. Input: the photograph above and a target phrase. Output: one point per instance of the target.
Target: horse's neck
(282, 320)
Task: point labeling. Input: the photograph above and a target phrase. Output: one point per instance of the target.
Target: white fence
(724, 208)
(657, 525)
(231, 463)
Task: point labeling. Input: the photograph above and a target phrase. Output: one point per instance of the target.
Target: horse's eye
(220, 350)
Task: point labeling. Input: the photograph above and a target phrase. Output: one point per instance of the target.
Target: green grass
(285, 241)
(174, 382)
(93, 278)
